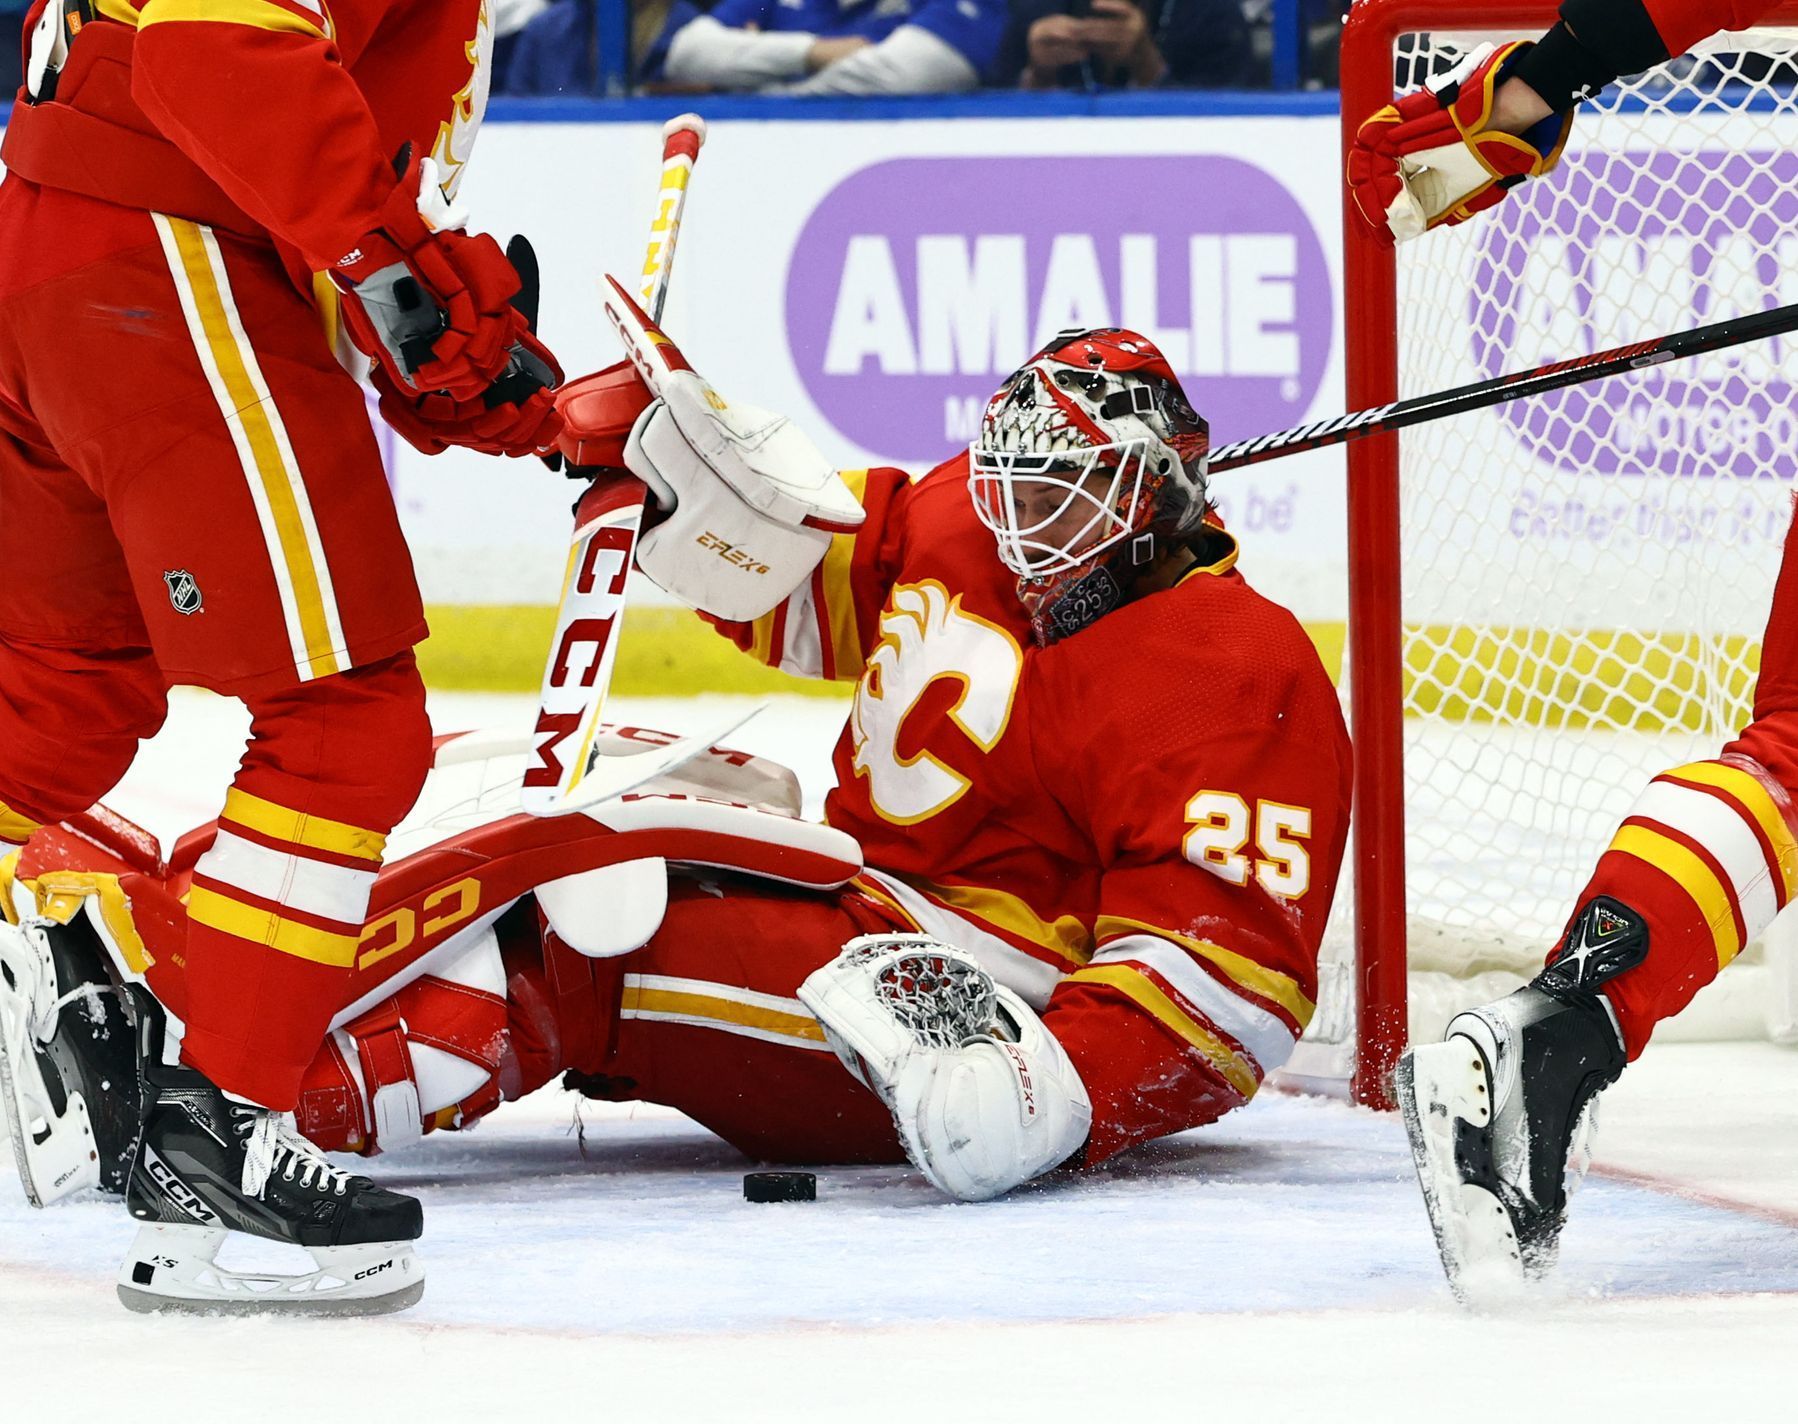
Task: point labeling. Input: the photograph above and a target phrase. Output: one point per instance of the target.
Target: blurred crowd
(554, 47)
(854, 47)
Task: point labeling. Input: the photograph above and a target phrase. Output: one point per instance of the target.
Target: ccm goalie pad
(983, 1096)
(753, 504)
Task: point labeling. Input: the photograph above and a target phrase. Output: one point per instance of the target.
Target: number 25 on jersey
(1222, 825)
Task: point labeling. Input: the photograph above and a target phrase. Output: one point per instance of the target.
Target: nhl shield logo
(184, 592)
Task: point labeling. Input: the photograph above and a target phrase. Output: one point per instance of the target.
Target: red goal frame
(1375, 659)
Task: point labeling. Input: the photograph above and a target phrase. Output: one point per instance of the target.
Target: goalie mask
(1090, 462)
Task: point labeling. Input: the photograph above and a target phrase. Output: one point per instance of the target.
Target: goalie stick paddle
(566, 774)
(1517, 385)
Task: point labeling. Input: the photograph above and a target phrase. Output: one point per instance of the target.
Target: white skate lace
(43, 1025)
(274, 1137)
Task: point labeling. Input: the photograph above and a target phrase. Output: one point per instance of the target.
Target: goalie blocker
(746, 502)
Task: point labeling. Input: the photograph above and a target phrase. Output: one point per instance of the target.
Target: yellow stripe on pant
(1245, 973)
(254, 14)
(1747, 789)
(282, 503)
(699, 1003)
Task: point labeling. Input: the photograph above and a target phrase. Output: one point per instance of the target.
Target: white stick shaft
(680, 151)
(565, 774)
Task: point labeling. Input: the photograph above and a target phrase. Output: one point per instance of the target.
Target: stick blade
(610, 777)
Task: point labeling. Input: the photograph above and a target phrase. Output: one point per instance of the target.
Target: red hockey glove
(430, 305)
(598, 412)
(434, 422)
(1429, 160)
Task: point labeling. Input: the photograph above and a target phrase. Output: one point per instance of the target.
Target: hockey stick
(607, 521)
(1518, 385)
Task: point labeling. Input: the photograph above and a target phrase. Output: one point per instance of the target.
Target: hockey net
(1583, 579)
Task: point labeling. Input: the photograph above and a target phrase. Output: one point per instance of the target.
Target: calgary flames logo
(926, 636)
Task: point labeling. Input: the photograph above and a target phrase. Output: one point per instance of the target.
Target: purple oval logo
(919, 284)
(1618, 247)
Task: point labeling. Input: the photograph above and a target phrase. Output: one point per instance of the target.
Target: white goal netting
(1586, 575)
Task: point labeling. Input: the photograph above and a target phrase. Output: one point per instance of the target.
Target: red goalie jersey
(1138, 828)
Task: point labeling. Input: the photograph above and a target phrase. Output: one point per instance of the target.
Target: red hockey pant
(190, 492)
(703, 1019)
(1708, 854)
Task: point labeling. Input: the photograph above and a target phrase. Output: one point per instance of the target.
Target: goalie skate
(68, 1067)
(1501, 1117)
(209, 1168)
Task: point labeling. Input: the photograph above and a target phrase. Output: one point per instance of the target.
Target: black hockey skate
(208, 1167)
(1502, 1114)
(68, 1061)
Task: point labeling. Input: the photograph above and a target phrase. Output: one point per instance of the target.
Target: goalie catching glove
(1429, 159)
(983, 1096)
(750, 503)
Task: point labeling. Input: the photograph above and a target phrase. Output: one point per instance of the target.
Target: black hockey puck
(780, 1187)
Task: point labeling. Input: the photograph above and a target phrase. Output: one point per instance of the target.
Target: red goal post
(1376, 661)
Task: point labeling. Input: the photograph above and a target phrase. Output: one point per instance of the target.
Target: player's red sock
(279, 898)
(1707, 857)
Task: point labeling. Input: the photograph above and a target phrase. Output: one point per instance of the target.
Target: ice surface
(1277, 1262)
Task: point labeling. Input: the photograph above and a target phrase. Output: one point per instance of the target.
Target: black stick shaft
(1515, 386)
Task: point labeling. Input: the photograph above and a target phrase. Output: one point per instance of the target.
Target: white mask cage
(1054, 512)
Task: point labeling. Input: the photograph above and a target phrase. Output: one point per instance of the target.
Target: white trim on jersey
(1262, 1034)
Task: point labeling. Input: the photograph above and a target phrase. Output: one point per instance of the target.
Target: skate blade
(174, 1268)
(1439, 1085)
(145, 1303)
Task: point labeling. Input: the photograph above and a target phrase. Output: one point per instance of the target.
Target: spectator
(12, 64)
(1095, 44)
(555, 52)
(830, 46)
(509, 20)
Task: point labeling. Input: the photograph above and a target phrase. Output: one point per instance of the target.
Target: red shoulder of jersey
(1207, 679)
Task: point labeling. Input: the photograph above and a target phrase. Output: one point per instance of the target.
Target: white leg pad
(608, 911)
(443, 1079)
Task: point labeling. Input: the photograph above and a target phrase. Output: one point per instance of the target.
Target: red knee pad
(355, 746)
(70, 723)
